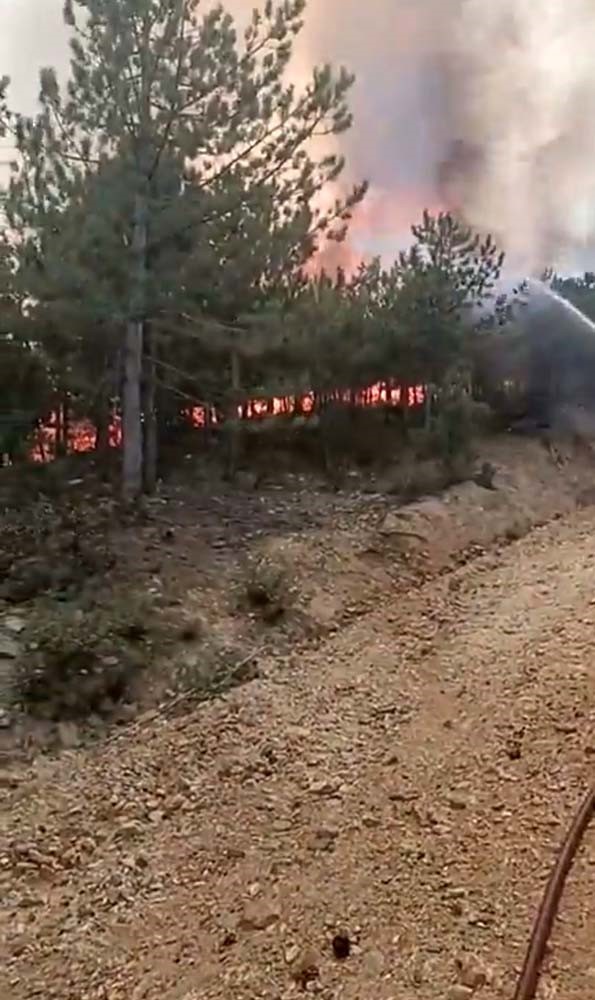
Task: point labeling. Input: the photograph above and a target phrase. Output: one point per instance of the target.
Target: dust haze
(487, 106)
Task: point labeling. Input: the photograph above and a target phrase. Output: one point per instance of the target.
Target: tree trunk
(40, 444)
(150, 415)
(428, 401)
(101, 433)
(62, 428)
(66, 424)
(235, 430)
(406, 413)
(102, 418)
(132, 457)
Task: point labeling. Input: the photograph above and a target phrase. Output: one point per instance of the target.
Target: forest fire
(81, 435)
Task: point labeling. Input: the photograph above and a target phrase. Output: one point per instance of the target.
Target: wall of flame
(82, 434)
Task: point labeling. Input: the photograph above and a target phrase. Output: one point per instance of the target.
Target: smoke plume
(520, 86)
(486, 106)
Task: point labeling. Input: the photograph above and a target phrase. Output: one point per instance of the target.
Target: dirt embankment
(245, 571)
(373, 816)
(342, 571)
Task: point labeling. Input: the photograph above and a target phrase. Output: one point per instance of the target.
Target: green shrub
(76, 663)
(267, 589)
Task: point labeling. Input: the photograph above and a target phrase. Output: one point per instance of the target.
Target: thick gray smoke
(485, 105)
(521, 105)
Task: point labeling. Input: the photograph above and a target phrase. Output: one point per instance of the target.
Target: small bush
(415, 479)
(47, 545)
(78, 663)
(338, 438)
(485, 476)
(454, 430)
(267, 588)
(212, 670)
(518, 528)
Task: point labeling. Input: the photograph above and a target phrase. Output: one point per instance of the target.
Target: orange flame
(82, 434)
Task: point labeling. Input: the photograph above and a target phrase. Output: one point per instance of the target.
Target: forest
(164, 221)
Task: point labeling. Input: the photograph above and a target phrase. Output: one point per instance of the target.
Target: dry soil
(403, 784)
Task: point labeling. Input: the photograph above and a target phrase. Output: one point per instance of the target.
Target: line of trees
(160, 217)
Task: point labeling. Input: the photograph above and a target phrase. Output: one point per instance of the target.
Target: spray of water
(544, 289)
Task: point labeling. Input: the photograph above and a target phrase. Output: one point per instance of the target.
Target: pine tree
(174, 125)
(425, 302)
(25, 388)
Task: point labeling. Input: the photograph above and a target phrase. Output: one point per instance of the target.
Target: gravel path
(400, 791)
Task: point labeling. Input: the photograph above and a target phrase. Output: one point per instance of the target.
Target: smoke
(486, 106)
(521, 117)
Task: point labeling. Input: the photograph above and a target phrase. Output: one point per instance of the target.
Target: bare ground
(405, 782)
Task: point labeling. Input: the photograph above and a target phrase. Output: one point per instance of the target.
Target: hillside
(394, 783)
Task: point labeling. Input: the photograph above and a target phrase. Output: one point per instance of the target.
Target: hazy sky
(484, 104)
(32, 35)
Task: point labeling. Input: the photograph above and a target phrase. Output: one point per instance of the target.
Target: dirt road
(406, 784)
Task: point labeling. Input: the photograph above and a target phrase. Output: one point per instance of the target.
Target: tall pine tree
(172, 123)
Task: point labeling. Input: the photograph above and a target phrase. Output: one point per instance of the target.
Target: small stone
(129, 828)
(418, 972)
(456, 892)
(126, 712)
(9, 780)
(37, 858)
(371, 822)
(176, 803)
(258, 916)
(291, 954)
(323, 787)
(459, 992)
(566, 728)
(9, 649)
(514, 746)
(14, 624)
(404, 795)
(228, 940)
(341, 946)
(70, 856)
(305, 969)
(457, 802)
(472, 973)
(5, 719)
(324, 839)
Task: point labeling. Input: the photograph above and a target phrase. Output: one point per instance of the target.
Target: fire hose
(540, 934)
